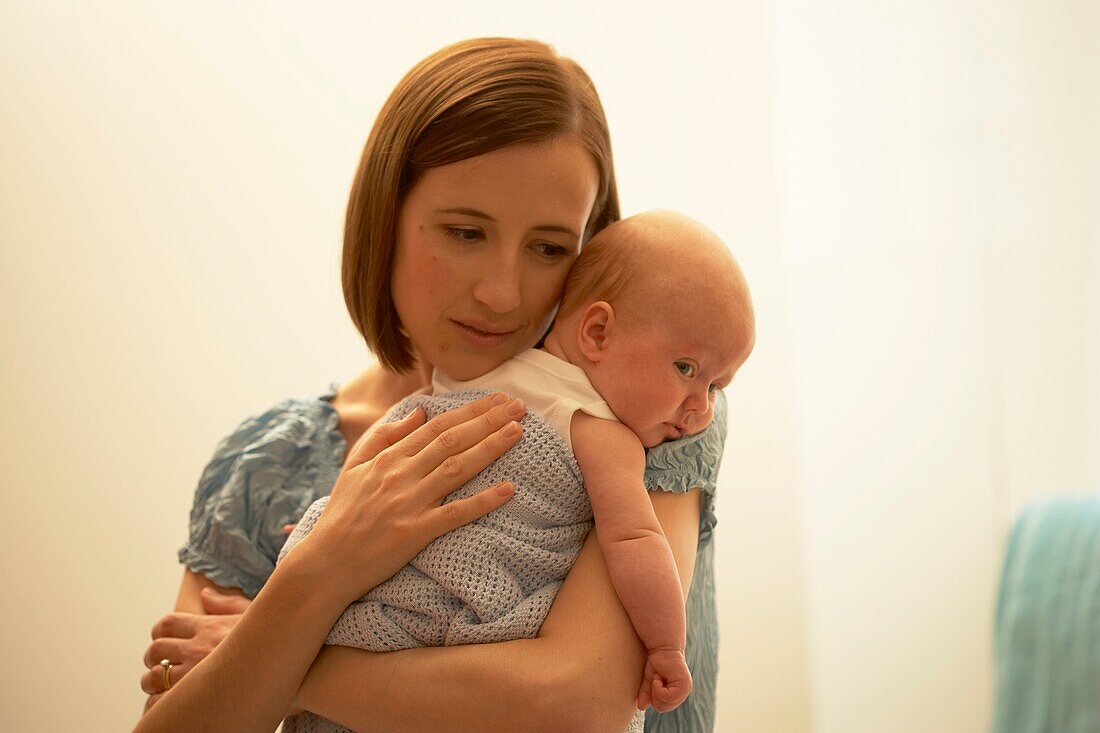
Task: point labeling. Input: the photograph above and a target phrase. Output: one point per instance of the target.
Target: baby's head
(658, 314)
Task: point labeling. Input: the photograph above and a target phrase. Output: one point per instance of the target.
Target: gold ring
(166, 668)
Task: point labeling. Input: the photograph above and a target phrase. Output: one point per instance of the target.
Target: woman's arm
(384, 508)
(248, 681)
(200, 621)
(581, 673)
(189, 599)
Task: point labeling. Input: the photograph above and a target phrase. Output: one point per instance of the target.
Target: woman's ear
(596, 325)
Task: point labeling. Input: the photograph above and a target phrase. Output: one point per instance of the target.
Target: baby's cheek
(703, 422)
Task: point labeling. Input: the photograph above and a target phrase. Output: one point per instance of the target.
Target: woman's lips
(481, 338)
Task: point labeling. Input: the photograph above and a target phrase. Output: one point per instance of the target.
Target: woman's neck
(380, 389)
(363, 400)
(385, 388)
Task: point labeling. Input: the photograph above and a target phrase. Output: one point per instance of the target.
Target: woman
(505, 146)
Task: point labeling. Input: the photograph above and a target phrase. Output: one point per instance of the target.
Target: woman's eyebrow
(482, 215)
(467, 212)
(556, 228)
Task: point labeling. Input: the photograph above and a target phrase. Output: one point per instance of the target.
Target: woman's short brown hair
(464, 100)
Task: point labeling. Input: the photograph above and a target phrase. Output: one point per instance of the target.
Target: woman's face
(483, 249)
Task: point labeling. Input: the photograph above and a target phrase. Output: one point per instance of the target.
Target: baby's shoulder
(599, 441)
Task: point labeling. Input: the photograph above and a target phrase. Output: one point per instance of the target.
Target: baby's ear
(596, 325)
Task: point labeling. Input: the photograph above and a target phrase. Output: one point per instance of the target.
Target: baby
(656, 317)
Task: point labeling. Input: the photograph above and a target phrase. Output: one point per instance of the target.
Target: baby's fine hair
(606, 267)
(655, 258)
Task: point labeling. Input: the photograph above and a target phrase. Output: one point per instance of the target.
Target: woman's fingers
(458, 468)
(215, 603)
(152, 681)
(176, 624)
(383, 436)
(450, 432)
(412, 433)
(447, 455)
(387, 507)
(463, 511)
(162, 649)
(186, 639)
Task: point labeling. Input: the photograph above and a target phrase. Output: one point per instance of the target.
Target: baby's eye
(685, 369)
(463, 234)
(713, 387)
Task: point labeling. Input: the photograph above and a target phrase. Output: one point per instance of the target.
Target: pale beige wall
(172, 184)
(942, 181)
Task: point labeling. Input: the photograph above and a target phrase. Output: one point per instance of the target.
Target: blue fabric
(264, 475)
(1048, 621)
(269, 470)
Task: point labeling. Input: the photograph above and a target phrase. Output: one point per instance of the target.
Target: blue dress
(269, 470)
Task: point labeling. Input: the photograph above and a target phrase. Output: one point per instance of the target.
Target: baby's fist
(666, 682)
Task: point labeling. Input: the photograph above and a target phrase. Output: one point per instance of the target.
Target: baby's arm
(639, 560)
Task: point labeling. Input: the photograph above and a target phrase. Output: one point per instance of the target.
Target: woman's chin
(465, 367)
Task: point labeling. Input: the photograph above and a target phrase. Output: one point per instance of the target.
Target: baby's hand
(666, 682)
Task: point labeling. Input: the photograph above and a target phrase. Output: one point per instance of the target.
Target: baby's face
(676, 327)
(661, 378)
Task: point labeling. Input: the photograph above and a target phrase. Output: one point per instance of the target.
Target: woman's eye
(685, 369)
(551, 251)
(463, 234)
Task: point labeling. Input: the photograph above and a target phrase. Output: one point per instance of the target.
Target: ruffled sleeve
(684, 464)
(264, 475)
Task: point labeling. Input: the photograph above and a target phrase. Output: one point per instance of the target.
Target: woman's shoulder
(692, 462)
(269, 449)
(263, 475)
(297, 421)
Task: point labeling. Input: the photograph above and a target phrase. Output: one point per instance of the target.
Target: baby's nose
(697, 422)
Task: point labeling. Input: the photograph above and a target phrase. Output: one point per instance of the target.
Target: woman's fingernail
(506, 489)
(499, 399)
(510, 430)
(514, 409)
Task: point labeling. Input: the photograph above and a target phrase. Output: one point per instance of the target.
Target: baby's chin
(654, 437)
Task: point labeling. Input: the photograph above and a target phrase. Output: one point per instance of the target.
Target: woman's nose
(499, 284)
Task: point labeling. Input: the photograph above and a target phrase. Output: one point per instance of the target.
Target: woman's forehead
(554, 177)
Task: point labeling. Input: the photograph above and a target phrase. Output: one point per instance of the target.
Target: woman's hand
(386, 504)
(186, 638)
